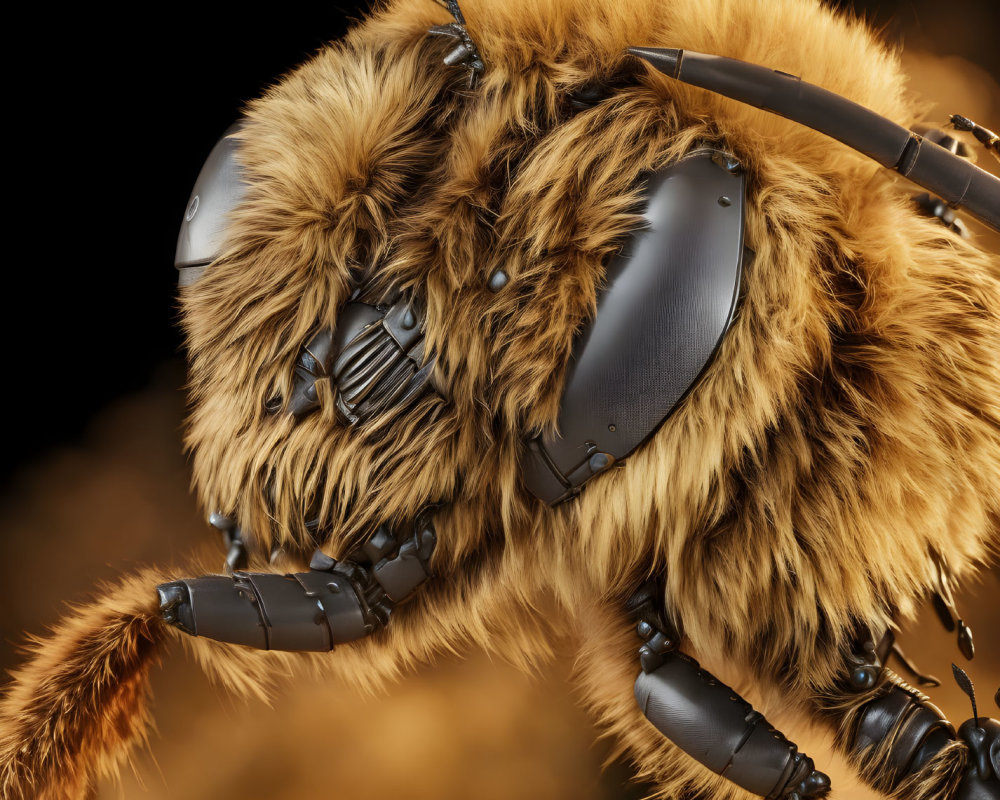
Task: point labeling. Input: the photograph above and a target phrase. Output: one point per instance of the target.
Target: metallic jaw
(374, 359)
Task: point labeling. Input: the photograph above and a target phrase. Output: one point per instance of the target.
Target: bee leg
(333, 603)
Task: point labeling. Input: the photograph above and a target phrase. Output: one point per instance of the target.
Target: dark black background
(111, 131)
(111, 120)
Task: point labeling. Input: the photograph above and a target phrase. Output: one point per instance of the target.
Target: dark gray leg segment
(718, 728)
(334, 602)
(709, 721)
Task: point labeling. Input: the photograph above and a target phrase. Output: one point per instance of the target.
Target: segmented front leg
(333, 603)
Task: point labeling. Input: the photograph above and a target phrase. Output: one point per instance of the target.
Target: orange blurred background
(112, 493)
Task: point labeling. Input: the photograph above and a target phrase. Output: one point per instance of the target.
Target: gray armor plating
(716, 727)
(709, 721)
(333, 603)
(217, 191)
(918, 729)
(670, 298)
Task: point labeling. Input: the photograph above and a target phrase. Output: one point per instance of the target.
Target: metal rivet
(599, 461)
(864, 677)
(725, 201)
(192, 208)
(728, 162)
(219, 520)
(498, 280)
(409, 320)
(612, 428)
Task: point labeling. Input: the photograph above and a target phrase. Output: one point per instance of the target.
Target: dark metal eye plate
(670, 298)
(219, 189)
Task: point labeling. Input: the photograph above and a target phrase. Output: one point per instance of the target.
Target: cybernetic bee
(625, 309)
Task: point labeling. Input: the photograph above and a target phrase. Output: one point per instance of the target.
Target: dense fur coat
(846, 436)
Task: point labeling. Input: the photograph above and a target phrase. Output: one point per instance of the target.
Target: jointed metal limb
(333, 603)
(711, 722)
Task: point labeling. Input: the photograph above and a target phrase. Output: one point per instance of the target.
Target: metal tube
(959, 182)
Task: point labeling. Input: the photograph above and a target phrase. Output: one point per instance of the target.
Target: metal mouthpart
(374, 360)
(380, 358)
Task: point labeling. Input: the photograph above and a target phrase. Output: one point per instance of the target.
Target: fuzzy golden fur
(846, 435)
